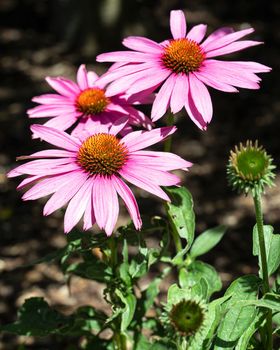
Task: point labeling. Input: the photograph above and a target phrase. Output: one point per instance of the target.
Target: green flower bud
(187, 316)
(250, 168)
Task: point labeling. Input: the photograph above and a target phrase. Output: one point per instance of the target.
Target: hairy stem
(266, 288)
(118, 338)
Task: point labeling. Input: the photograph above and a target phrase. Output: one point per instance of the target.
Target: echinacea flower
(85, 104)
(250, 168)
(90, 173)
(182, 67)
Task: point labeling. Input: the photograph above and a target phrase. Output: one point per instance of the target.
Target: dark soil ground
(41, 38)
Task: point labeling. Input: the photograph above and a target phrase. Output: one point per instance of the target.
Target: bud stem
(266, 289)
(119, 339)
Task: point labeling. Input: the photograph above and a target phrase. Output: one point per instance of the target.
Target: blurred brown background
(40, 38)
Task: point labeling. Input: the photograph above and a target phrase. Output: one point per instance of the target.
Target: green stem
(119, 341)
(168, 141)
(266, 288)
(118, 338)
(174, 233)
(167, 148)
(177, 241)
(114, 252)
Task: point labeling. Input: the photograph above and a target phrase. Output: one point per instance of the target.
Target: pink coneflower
(86, 104)
(89, 173)
(183, 66)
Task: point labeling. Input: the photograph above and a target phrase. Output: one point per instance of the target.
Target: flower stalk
(263, 256)
(250, 170)
(119, 339)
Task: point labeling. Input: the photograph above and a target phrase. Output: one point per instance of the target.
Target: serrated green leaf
(207, 240)
(175, 294)
(197, 270)
(196, 283)
(272, 248)
(244, 340)
(214, 315)
(86, 320)
(128, 311)
(93, 270)
(270, 301)
(180, 213)
(36, 318)
(238, 318)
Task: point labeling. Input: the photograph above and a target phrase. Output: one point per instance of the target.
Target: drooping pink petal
(117, 65)
(77, 206)
(111, 199)
(148, 174)
(118, 125)
(236, 46)
(49, 185)
(197, 33)
(49, 153)
(62, 122)
(143, 97)
(137, 117)
(147, 79)
(201, 98)
(82, 78)
(179, 93)
(227, 75)
(105, 204)
(122, 84)
(243, 67)
(142, 44)
(63, 86)
(112, 75)
(44, 167)
(126, 194)
(52, 110)
(143, 183)
(52, 99)
(79, 129)
(92, 77)
(193, 113)
(65, 193)
(99, 202)
(178, 24)
(159, 160)
(162, 99)
(55, 137)
(29, 180)
(93, 126)
(211, 80)
(89, 217)
(217, 34)
(125, 56)
(224, 40)
(141, 139)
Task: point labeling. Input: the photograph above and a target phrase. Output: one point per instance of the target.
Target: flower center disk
(92, 101)
(183, 56)
(187, 316)
(102, 154)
